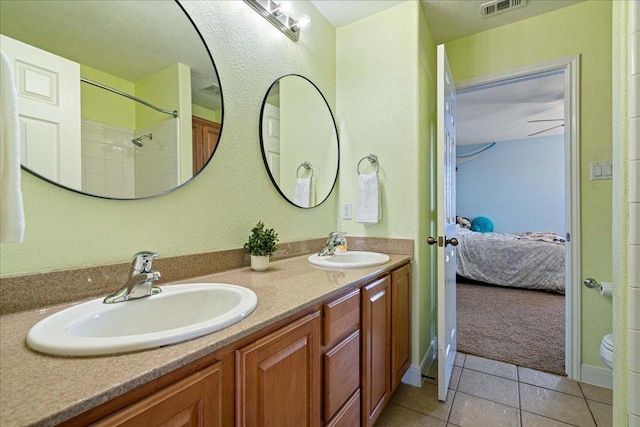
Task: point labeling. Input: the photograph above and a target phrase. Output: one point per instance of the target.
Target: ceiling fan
(547, 129)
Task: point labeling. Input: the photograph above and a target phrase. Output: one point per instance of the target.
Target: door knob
(453, 242)
(432, 241)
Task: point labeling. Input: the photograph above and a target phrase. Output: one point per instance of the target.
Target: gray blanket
(509, 260)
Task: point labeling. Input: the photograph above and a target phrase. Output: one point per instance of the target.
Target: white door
(48, 88)
(446, 223)
(271, 139)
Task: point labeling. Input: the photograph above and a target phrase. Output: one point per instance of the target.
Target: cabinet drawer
(341, 316)
(341, 373)
(192, 401)
(349, 414)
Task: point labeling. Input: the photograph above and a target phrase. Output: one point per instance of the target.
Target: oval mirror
(116, 99)
(299, 140)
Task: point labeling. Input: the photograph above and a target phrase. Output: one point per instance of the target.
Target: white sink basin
(179, 313)
(349, 259)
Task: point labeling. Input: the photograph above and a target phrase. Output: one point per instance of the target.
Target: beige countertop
(37, 389)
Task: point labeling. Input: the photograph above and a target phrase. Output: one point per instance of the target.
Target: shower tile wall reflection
(107, 160)
(112, 166)
(156, 162)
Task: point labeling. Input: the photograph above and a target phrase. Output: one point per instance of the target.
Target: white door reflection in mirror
(307, 145)
(48, 88)
(271, 135)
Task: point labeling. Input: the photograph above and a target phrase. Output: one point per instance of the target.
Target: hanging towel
(368, 208)
(11, 210)
(302, 194)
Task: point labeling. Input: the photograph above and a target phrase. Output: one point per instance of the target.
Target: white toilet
(606, 350)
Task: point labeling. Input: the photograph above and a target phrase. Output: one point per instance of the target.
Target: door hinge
(568, 239)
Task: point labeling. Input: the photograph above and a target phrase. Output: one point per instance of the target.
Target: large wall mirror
(117, 99)
(299, 141)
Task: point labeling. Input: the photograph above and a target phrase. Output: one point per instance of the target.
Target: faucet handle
(142, 261)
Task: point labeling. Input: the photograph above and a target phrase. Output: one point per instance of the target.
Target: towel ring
(307, 166)
(372, 159)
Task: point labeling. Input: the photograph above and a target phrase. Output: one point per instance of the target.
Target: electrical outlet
(346, 211)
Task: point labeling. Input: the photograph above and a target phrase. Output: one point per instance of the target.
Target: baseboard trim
(602, 377)
(413, 376)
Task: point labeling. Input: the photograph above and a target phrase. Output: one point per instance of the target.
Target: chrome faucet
(141, 279)
(334, 240)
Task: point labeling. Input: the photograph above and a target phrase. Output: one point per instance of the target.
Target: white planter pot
(259, 263)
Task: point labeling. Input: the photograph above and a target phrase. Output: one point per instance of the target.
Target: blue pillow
(482, 225)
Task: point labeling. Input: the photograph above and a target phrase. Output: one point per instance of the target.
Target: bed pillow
(482, 225)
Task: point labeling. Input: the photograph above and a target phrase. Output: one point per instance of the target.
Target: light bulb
(285, 7)
(303, 22)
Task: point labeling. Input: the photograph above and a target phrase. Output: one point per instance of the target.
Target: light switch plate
(601, 171)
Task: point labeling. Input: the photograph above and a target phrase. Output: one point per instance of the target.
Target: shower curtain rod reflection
(173, 113)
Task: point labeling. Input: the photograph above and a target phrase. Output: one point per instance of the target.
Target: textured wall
(218, 208)
(379, 112)
(583, 29)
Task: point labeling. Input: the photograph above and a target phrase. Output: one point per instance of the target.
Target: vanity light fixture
(279, 14)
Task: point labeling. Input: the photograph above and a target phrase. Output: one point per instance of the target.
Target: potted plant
(261, 245)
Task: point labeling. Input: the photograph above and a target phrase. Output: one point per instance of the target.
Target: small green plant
(262, 242)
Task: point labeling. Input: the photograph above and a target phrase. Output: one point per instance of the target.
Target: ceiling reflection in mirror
(116, 99)
(299, 141)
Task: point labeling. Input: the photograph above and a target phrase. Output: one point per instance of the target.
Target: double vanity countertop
(38, 389)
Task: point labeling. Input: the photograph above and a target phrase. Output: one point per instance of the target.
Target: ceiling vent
(496, 7)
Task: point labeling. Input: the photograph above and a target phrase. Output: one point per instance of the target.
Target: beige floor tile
(533, 420)
(599, 394)
(455, 377)
(490, 387)
(471, 411)
(394, 416)
(550, 381)
(424, 400)
(459, 360)
(492, 367)
(602, 412)
(555, 405)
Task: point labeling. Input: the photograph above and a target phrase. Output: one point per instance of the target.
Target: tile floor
(487, 393)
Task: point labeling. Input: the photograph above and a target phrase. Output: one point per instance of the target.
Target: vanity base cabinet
(400, 323)
(278, 377)
(376, 349)
(193, 401)
(349, 414)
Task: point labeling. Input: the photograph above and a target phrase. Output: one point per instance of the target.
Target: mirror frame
(264, 154)
(195, 27)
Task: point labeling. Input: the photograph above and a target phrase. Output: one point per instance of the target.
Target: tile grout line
(588, 406)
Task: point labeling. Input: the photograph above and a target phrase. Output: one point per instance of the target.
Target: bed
(521, 260)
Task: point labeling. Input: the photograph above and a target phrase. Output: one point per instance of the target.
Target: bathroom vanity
(323, 347)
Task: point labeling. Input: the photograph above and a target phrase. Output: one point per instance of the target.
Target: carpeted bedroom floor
(518, 326)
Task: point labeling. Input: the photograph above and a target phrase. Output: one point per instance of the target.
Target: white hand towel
(302, 194)
(11, 209)
(368, 208)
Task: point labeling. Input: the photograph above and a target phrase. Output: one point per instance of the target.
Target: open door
(446, 223)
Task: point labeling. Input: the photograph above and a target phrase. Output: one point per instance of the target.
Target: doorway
(558, 119)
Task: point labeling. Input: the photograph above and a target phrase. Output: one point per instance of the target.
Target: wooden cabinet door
(400, 323)
(376, 351)
(278, 377)
(192, 401)
(205, 136)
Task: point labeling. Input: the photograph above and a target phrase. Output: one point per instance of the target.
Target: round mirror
(299, 138)
(116, 99)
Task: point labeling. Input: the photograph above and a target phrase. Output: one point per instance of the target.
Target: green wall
(583, 29)
(385, 66)
(205, 113)
(306, 134)
(621, 254)
(218, 208)
(104, 106)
